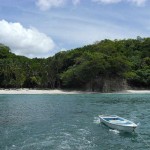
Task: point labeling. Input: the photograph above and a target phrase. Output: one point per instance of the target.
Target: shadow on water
(128, 135)
(120, 133)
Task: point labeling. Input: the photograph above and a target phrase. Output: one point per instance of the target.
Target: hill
(104, 66)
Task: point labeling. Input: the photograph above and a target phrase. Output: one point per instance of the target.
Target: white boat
(116, 122)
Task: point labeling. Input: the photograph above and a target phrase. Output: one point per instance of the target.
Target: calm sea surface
(70, 122)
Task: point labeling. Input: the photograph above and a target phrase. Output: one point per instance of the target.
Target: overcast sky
(41, 28)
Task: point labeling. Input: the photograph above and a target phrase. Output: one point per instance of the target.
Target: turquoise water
(70, 122)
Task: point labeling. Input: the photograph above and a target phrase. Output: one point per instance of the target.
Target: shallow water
(70, 122)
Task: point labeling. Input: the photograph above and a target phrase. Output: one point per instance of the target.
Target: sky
(41, 28)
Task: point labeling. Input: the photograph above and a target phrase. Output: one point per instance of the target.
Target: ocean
(70, 122)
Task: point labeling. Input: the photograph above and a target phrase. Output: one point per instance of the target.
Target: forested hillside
(104, 66)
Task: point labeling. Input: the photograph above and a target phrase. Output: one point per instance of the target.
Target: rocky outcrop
(107, 84)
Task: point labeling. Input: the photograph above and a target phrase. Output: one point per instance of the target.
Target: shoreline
(56, 91)
(37, 91)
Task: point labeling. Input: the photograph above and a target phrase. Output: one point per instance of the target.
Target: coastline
(36, 91)
(56, 91)
(138, 91)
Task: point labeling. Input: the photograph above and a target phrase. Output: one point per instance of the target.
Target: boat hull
(123, 128)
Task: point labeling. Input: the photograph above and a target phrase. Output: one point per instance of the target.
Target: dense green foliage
(126, 59)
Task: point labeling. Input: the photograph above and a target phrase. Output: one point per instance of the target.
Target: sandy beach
(138, 91)
(34, 91)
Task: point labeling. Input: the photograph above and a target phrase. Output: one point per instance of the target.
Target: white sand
(31, 91)
(138, 91)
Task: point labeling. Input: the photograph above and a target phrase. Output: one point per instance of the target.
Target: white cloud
(25, 41)
(107, 1)
(48, 4)
(137, 2)
(75, 2)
